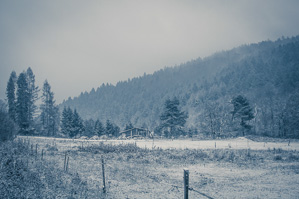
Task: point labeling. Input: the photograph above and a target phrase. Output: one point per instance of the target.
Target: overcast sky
(78, 45)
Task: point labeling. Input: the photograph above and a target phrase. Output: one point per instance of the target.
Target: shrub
(7, 126)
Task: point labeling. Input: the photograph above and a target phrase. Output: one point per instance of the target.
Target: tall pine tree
(22, 104)
(11, 95)
(49, 111)
(99, 128)
(33, 96)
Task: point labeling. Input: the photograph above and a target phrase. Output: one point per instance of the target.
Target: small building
(135, 133)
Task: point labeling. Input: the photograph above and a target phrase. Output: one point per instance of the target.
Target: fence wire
(205, 195)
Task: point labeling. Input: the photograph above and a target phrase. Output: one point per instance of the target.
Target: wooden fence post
(186, 183)
(36, 151)
(64, 165)
(103, 173)
(67, 163)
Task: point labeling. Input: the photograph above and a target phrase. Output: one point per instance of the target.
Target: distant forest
(266, 74)
(252, 89)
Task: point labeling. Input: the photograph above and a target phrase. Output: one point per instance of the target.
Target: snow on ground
(237, 143)
(151, 176)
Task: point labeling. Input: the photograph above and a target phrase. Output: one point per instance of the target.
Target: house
(135, 133)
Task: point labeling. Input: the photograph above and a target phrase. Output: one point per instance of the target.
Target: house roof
(140, 129)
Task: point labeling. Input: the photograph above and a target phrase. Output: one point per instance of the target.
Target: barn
(135, 133)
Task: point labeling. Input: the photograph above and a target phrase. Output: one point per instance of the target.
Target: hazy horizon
(78, 45)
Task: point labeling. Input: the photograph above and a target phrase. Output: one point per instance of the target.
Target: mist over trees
(266, 74)
(252, 89)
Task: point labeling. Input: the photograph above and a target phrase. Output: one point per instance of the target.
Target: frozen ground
(228, 171)
(237, 143)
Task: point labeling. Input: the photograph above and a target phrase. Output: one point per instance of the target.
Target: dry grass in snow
(134, 172)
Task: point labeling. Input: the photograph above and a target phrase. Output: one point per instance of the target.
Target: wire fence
(71, 166)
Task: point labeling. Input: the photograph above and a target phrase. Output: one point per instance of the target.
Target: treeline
(22, 115)
(22, 95)
(73, 125)
(252, 89)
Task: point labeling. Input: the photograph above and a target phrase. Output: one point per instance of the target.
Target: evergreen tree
(22, 104)
(112, 129)
(49, 111)
(89, 127)
(173, 119)
(10, 94)
(109, 128)
(242, 111)
(32, 94)
(116, 130)
(66, 121)
(77, 125)
(99, 128)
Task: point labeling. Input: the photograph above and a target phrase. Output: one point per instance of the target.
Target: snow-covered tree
(99, 128)
(173, 119)
(242, 111)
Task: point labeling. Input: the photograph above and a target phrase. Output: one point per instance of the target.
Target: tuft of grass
(22, 174)
(277, 157)
(52, 148)
(131, 152)
(293, 157)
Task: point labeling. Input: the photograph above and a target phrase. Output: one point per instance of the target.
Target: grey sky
(78, 45)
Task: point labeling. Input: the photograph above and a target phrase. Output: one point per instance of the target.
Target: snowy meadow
(235, 168)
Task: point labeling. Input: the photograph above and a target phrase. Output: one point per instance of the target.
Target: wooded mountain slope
(266, 73)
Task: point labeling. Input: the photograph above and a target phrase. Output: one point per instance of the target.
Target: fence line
(186, 186)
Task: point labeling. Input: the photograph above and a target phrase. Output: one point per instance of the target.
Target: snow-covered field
(237, 143)
(223, 169)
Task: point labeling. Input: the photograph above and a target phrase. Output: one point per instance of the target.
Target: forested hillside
(266, 73)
